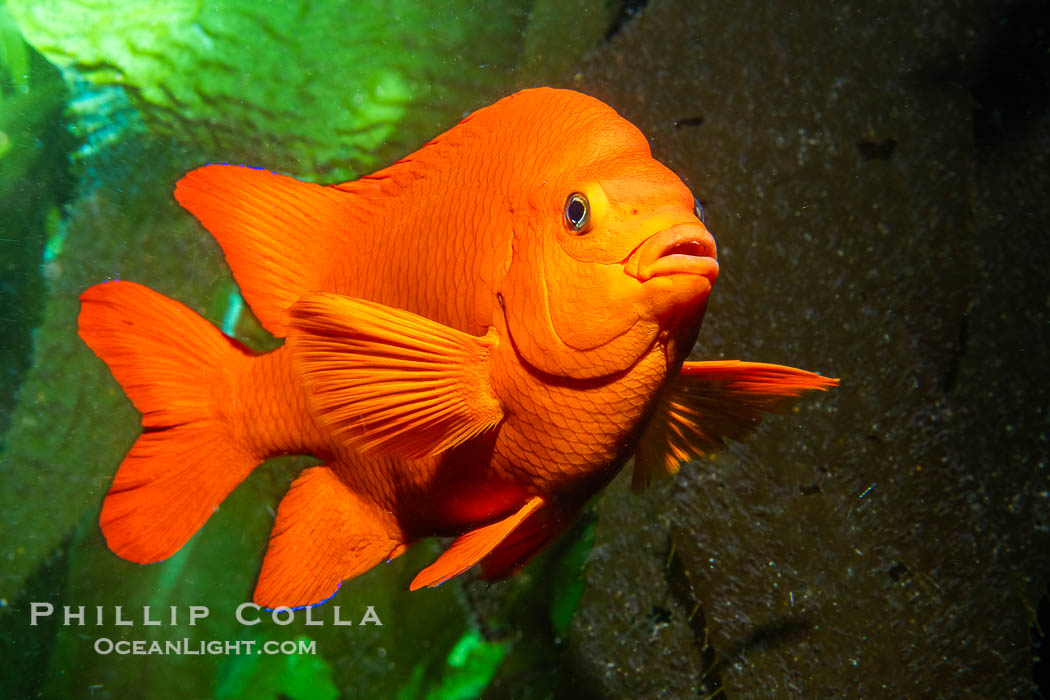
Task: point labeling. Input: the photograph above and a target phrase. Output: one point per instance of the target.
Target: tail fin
(177, 369)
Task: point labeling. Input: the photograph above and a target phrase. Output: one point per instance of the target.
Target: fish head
(609, 253)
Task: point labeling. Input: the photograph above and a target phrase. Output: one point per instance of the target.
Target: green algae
(324, 89)
(34, 182)
(14, 56)
(559, 35)
(72, 424)
(470, 665)
(295, 676)
(474, 661)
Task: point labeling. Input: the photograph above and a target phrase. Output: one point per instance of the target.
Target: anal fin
(324, 534)
(470, 548)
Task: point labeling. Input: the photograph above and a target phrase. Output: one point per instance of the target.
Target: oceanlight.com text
(188, 647)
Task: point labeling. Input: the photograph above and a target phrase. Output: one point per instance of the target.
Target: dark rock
(919, 278)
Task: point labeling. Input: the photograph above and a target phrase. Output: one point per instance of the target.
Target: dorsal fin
(277, 232)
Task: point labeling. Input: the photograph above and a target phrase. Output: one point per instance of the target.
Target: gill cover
(562, 314)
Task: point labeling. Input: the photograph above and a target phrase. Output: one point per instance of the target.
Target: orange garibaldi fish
(477, 338)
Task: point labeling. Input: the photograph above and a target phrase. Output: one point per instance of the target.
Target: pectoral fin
(387, 380)
(710, 402)
(470, 548)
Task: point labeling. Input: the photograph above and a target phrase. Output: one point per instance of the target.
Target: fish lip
(657, 256)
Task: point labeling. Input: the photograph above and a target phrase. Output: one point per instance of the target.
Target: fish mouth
(685, 249)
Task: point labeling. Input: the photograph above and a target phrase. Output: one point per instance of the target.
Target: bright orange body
(477, 338)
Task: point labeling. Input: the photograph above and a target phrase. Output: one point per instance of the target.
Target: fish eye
(577, 212)
(698, 210)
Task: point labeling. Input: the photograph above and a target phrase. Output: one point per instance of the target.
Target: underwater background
(876, 175)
